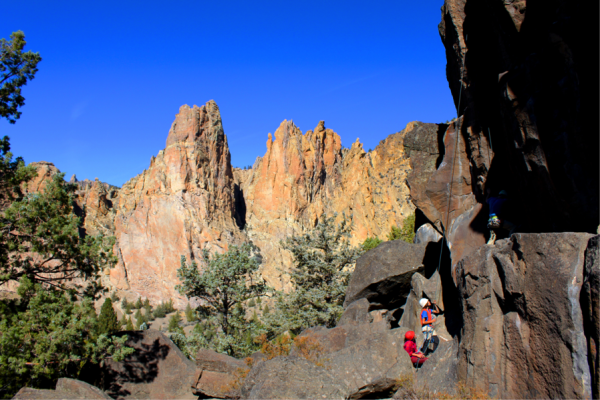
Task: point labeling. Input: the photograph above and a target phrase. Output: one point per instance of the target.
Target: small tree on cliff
(323, 263)
(228, 281)
(107, 321)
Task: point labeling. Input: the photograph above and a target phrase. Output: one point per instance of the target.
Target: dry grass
(406, 390)
(306, 347)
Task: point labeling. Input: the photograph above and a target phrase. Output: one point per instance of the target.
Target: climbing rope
(429, 334)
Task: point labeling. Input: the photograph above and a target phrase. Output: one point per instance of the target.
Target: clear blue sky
(114, 74)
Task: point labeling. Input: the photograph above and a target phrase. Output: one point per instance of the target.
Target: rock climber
(427, 319)
(410, 346)
(498, 213)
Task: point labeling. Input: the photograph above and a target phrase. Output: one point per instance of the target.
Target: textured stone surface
(383, 275)
(522, 73)
(66, 389)
(218, 375)
(302, 176)
(358, 361)
(440, 372)
(95, 203)
(157, 369)
(183, 203)
(590, 307)
(523, 333)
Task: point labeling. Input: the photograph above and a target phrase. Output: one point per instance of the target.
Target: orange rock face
(301, 177)
(191, 199)
(183, 203)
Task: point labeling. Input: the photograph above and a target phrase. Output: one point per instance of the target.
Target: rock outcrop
(157, 369)
(356, 361)
(521, 74)
(65, 389)
(191, 199)
(302, 176)
(182, 204)
(522, 330)
(384, 274)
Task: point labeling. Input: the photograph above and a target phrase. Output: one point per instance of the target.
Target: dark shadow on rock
(140, 367)
(450, 296)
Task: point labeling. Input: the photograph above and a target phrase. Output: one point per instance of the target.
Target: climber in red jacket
(410, 346)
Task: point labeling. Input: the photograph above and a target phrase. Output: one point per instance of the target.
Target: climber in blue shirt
(498, 213)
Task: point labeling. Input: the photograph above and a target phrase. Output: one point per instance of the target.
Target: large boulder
(157, 369)
(65, 389)
(383, 275)
(523, 333)
(218, 375)
(422, 287)
(351, 361)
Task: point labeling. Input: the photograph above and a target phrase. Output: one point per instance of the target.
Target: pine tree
(16, 69)
(138, 303)
(174, 322)
(266, 310)
(128, 309)
(124, 303)
(123, 322)
(138, 318)
(129, 325)
(251, 303)
(323, 263)
(190, 315)
(229, 280)
(107, 321)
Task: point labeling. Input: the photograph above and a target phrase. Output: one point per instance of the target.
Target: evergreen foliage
(174, 323)
(16, 68)
(251, 303)
(13, 174)
(107, 321)
(163, 309)
(228, 281)
(41, 241)
(46, 335)
(123, 322)
(148, 311)
(407, 233)
(371, 242)
(323, 263)
(190, 314)
(138, 304)
(114, 297)
(51, 330)
(129, 325)
(124, 303)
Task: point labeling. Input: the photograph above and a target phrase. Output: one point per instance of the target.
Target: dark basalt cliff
(529, 101)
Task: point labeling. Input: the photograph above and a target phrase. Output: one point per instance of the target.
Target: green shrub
(406, 233)
(371, 242)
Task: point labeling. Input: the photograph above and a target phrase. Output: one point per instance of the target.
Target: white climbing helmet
(423, 302)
